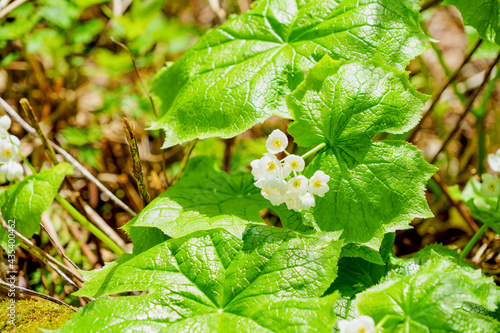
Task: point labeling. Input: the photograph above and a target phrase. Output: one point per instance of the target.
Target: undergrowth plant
(203, 258)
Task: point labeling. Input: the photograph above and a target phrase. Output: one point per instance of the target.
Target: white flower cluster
(363, 324)
(490, 187)
(9, 150)
(272, 176)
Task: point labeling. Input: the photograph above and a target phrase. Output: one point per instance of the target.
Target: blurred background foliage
(59, 54)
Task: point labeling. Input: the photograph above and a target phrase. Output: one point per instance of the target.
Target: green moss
(31, 315)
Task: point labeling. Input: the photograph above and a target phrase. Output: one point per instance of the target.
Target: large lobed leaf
(376, 186)
(204, 199)
(238, 74)
(211, 281)
(483, 15)
(25, 201)
(432, 292)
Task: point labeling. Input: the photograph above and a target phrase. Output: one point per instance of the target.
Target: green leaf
(204, 199)
(238, 74)
(376, 187)
(25, 201)
(428, 294)
(484, 209)
(212, 281)
(356, 275)
(60, 13)
(483, 15)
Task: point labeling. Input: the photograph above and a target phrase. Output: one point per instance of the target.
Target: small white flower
(5, 123)
(298, 185)
(363, 324)
(15, 140)
(293, 163)
(318, 184)
(274, 190)
(12, 170)
(276, 142)
(307, 201)
(8, 151)
(494, 161)
(490, 187)
(268, 167)
(292, 201)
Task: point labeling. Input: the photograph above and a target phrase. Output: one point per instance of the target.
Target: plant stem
(185, 160)
(467, 109)
(87, 174)
(87, 224)
(314, 150)
(136, 162)
(473, 241)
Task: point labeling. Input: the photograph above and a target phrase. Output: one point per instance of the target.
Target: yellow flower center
(317, 183)
(294, 164)
(491, 187)
(296, 183)
(267, 193)
(7, 152)
(271, 166)
(362, 330)
(276, 143)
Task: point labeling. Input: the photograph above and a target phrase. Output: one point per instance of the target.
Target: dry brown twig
(84, 208)
(44, 257)
(467, 109)
(162, 136)
(185, 160)
(67, 156)
(7, 286)
(437, 97)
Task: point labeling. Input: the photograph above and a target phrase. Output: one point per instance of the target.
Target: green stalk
(87, 224)
(480, 114)
(80, 218)
(473, 241)
(314, 150)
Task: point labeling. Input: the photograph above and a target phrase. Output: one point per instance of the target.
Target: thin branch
(59, 249)
(436, 97)
(67, 156)
(162, 136)
(21, 290)
(136, 162)
(83, 206)
(226, 165)
(11, 7)
(125, 47)
(467, 109)
(455, 204)
(30, 114)
(185, 159)
(3, 3)
(39, 253)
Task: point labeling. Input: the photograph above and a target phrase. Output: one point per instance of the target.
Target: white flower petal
(298, 185)
(5, 122)
(490, 187)
(12, 171)
(276, 142)
(307, 201)
(7, 151)
(362, 324)
(494, 161)
(318, 185)
(293, 163)
(15, 140)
